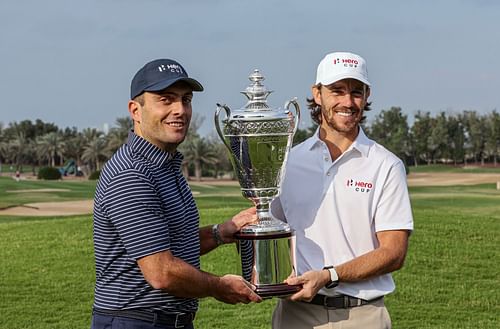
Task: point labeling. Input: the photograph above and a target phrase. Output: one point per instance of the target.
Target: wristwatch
(216, 235)
(334, 278)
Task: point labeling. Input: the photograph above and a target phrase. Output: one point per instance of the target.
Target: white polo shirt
(337, 207)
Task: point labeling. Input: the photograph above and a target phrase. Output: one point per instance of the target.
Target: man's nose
(179, 107)
(347, 100)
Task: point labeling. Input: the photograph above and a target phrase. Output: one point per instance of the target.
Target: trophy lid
(257, 108)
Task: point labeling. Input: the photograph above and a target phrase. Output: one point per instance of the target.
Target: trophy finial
(256, 77)
(256, 93)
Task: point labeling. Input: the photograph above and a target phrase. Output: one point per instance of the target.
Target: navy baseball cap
(158, 75)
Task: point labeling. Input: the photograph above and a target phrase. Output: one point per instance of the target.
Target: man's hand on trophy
(233, 225)
(311, 281)
(233, 289)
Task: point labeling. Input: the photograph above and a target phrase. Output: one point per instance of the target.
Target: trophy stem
(263, 211)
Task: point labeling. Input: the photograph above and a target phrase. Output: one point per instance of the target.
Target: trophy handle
(217, 123)
(297, 113)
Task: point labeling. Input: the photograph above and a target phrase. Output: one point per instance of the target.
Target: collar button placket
(327, 168)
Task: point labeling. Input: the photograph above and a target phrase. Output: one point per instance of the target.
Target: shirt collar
(152, 153)
(361, 143)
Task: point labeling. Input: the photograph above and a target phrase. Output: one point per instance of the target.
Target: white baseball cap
(341, 65)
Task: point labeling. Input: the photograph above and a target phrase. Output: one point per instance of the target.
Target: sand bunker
(62, 208)
(447, 179)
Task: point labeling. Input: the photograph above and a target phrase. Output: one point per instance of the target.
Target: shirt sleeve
(133, 206)
(394, 209)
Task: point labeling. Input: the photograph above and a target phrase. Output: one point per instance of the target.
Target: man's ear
(316, 93)
(134, 110)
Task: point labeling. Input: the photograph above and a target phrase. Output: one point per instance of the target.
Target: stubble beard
(329, 116)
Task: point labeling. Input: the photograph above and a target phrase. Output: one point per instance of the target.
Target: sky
(71, 62)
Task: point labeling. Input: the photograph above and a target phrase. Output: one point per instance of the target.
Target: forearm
(188, 281)
(386, 258)
(374, 263)
(173, 275)
(178, 278)
(207, 240)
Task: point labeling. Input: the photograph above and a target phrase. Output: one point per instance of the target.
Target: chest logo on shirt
(359, 186)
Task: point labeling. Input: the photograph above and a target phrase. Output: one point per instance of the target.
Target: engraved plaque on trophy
(258, 139)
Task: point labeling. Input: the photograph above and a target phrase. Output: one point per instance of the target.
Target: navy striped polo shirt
(143, 205)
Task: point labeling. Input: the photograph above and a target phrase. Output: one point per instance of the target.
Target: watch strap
(334, 277)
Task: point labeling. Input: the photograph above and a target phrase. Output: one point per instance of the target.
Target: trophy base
(267, 260)
(276, 290)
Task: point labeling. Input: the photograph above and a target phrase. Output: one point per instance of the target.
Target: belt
(342, 301)
(178, 320)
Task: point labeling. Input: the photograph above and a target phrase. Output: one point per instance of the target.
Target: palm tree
(75, 148)
(90, 134)
(51, 146)
(198, 152)
(95, 152)
(222, 163)
(18, 146)
(118, 135)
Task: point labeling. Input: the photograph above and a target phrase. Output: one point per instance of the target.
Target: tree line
(457, 139)
(37, 144)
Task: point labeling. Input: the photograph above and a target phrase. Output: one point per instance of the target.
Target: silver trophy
(258, 139)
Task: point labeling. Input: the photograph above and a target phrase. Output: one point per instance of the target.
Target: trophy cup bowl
(258, 139)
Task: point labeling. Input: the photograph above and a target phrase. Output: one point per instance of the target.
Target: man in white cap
(346, 197)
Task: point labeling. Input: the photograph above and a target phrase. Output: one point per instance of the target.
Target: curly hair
(315, 109)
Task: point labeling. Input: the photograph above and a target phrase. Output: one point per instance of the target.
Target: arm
(159, 267)
(164, 271)
(226, 230)
(389, 256)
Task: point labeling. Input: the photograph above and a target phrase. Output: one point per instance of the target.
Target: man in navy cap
(146, 235)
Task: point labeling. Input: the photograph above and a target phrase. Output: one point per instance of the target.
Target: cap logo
(174, 68)
(347, 62)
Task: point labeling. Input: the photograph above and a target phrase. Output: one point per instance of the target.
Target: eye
(337, 92)
(187, 99)
(357, 93)
(166, 100)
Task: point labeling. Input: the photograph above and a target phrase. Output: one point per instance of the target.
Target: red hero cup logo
(346, 61)
(359, 186)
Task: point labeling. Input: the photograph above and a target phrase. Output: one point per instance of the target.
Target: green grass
(471, 168)
(26, 169)
(450, 279)
(47, 273)
(451, 275)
